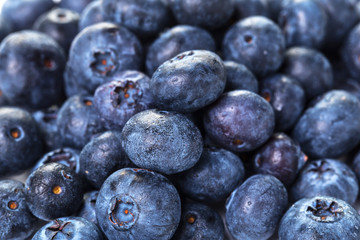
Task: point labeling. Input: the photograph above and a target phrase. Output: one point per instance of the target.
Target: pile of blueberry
(179, 119)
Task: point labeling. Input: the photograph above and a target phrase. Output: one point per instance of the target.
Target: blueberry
(53, 190)
(350, 52)
(311, 68)
(127, 94)
(210, 14)
(303, 23)
(91, 15)
(239, 121)
(98, 52)
(102, 156)
(17, 222)
(20, 140)
(77, 6)
(163, 141)
(320, 217)
(254, 209)
(199, 221)
(330, 128)
(31, 66)
(326, 177)
(138, 204)
(246, 8)
(287, 97)
(174, 41)
(69, 228)
(213, 178)
(238, 77)
(88, 210)
(257, 42)
(280, 156)
(189, 81)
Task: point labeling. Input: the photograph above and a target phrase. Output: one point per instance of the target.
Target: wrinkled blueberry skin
(199, 221)
(214, 176)
(254, 209)
(303, 23)
(120, 99)
(21, 14)
(239, 121)
(342, 17)
(330, 128)
(17, 222)
(326, 177)
(144, 18)
(286, 96)
(69, 228)
(311, 68)
(102, 156)
(20, 141)
(280, 157)
(60, 24)
(176, 40)
(320, 217)
(91, 15)
(96, 53)
(76, 6)
(31, 66)
(257, 42)
(78, 121)
(210, 14)
(138, 204)
(350, 52)
(238, 76)
(46, 120)
(88, 210)
(189, 81)
(40, 191)
(167, 142)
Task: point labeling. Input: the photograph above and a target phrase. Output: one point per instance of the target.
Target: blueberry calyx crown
(320, 167)
(104, 63)
(129, 93)
(62, 156)
(57, 227)
(123, 212)
(325, 211)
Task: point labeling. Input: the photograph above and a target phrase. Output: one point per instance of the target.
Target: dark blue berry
(239, 77)
(91, 14)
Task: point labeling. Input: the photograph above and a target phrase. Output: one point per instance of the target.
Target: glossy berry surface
(53, 190)
(167, 142)
(138, 204)
(17, 222)
(188, 81)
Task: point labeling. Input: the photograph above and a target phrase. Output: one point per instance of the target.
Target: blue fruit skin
(86, 69)
(21, 14)
(120, 99)
(77, 6)
(46, 204)
(326, 177)
(20, 151)
(257, 42)
(239, 121)
(246, 8)
(88, 210)
(239, 77)
(199, 221)
(303, 23)
(78, 121)
(60, 24)
(330, 128)
(254, 209)
(280, 156)
(31, 67)
(189, 81)
(286, 96)
(102, 156)
(350, 52)
(167, 142)
(174, 41)
(213, 178)
(138, 204)
(144, 18)
(17, 222)
(69, 228)
(91, 15)
(210, 14)
(311, 68)
(320, 218)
